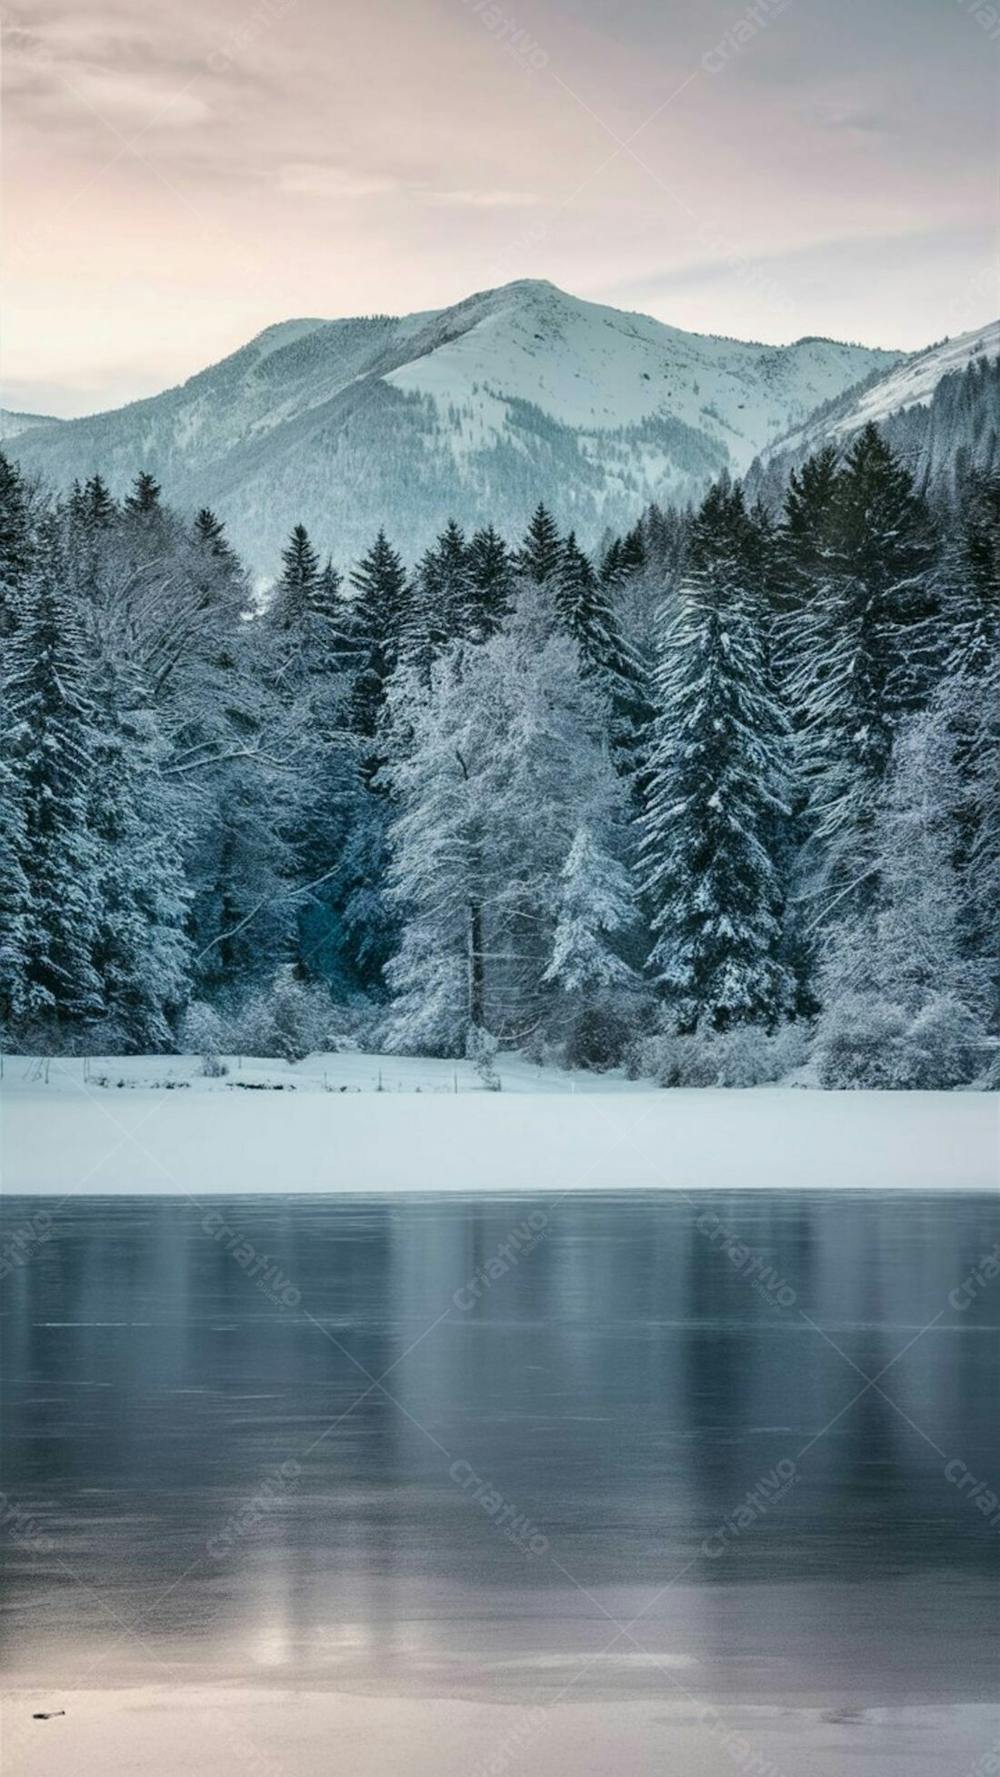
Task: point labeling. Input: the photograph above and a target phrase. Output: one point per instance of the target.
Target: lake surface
(623, 1446)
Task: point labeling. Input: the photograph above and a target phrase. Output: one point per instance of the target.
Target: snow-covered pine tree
(443, 592)
(540, 554)
(210, 534)
(15, 893)
(300, 572)
(491, 576)
(145, 494)
(15, 541)
(717, 792)
(97, 508)
(585, 610)
(864, 663)
(597, 907)
(373, 625)
(141, 949)
(47, 697)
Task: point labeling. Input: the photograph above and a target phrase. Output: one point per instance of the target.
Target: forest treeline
(718, 803)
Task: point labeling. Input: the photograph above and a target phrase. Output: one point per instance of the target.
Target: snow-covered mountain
(476, 411)
(938, 408)
(13, 424)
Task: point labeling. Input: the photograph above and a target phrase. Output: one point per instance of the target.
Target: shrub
(745, 1056)
(859, 1042)
(287, 1023)
(945, 1045)
(598, 1037)
(864, 1041)
(481, 1049)
(204, 1033)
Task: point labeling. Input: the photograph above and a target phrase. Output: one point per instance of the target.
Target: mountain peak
(478, 410)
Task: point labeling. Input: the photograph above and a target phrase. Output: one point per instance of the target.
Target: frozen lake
(531, 1451)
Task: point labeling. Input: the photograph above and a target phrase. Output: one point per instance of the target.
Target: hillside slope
(939, 409)
(479, 410)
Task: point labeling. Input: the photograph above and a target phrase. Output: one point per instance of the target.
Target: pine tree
(15, 896)
(141, 951)
(145, 495)
(97, 507)
(46, 692)
(15, 541)
(210, 534)
(299, 578)
(585, 611)
(491, 577)
(805, 541)
(540, 555)
(864, 658)
(717, 793)
(444, 593)
(596, 908)
(373, 625)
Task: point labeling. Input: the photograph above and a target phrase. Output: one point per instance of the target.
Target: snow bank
(155, 1125)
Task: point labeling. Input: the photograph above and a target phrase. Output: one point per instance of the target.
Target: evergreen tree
(15, 541)
(300, 575)
(584, 609)
(596, 908)
(491, 578)
(97, 507)
(717, 793)
(141, 952)
(863, 657)
(805, 541)
(540, 555)
(47, 696)
(145, 495)
(373, 625)
(15, 894)
(444, 593)
(210, 534)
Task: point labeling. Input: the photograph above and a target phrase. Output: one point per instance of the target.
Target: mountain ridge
(478, 410)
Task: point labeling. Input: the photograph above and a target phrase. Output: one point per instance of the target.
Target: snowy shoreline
(353, 1123)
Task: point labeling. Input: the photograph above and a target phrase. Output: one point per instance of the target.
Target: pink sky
(178, 177)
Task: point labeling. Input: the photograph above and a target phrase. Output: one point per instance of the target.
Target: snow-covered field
(354, 1122)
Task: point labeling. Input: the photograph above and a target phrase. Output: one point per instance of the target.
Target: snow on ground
(354, 1123)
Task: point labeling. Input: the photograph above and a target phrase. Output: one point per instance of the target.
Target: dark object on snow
(47, 1714)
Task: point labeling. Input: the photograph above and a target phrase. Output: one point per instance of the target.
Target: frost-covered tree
(141, 949)
(443, 592)
(505, 758)
(373, 625)
(863, 652)
(15, 891)
(47, 697)
(145, 494)
(296, 586)
(597, 907)
(491, 577)
(540, 555)
(586, 612)
(16, 544)
(712, 853)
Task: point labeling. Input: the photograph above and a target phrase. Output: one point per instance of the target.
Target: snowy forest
(719, 804)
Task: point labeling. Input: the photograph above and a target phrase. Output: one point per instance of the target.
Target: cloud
(129, 99)
(312, 179)
(481, 200)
